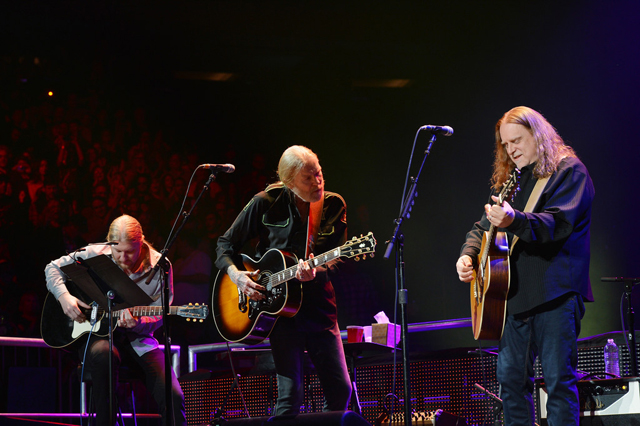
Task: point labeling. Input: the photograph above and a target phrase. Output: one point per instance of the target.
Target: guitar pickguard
(275, 299)
(80, 328)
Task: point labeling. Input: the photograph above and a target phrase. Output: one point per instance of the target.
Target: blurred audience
(70, 164)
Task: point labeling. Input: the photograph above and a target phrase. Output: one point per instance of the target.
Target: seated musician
(133, 337)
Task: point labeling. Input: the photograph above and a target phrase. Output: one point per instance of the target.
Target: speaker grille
(444, 381)
(446, 384)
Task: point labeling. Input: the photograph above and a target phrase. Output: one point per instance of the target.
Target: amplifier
(602, 402)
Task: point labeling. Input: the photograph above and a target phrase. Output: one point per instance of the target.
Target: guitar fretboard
(492, 229)
(144, 311)
(290, 273)
(147, 311)
(485, 253)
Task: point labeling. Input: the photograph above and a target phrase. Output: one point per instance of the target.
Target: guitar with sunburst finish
(243, 320)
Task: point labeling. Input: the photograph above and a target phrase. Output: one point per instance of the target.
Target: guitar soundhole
(263, 279)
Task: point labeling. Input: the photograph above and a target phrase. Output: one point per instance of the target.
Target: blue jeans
(550, 333)
(327, 355)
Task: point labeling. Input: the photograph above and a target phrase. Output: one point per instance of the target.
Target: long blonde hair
(127, 228)
(292, 161)
(551, 148)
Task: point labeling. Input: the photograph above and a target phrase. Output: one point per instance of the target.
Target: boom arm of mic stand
(185, 215)
(165, 311)
(407, 204)
(402, 292)
(406, 209)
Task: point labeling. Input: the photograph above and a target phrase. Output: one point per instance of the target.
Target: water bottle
(611, 364)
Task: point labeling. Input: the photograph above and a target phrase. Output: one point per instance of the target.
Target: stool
(125, 375)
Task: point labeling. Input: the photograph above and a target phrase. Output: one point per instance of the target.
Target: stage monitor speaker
(606, 402)
(329, 418)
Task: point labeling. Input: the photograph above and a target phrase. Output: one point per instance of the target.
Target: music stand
(110, 287)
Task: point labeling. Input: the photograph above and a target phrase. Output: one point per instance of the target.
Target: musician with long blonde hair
(283, 217)
(133, 337)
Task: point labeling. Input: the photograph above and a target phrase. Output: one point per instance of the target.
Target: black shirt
(273, 218)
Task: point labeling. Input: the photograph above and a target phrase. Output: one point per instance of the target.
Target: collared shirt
(141, 336)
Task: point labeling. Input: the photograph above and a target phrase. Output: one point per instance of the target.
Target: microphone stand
(629, 283)
(497, 404)
(397, 241)
(217, 418)
(110, 296)
(628, 288)
(165, 309)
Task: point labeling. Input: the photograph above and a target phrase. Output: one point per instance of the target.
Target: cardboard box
(385, 334)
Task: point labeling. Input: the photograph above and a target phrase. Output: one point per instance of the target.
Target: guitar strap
(313, 225)
(531, 203)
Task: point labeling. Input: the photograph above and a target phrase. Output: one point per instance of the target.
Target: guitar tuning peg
(188, 319)
(201, 320)
(372, 255)
(197, 304)
(357, 258)
(190, 304)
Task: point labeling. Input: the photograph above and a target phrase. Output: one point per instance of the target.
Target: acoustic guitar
(239, 319)
(58, 330)
(491, 277)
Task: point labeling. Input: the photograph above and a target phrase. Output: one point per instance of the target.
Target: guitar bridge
(254, 309)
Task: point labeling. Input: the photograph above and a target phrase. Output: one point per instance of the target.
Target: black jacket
(551, 257)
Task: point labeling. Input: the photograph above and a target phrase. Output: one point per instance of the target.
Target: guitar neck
(290, 273)
(150, 311)
(491, 232)
(485, 253)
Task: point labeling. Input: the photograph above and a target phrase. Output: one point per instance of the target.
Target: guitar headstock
(193, 312)
(357, 247)
(511, 187)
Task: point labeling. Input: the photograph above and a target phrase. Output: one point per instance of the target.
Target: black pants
(152, 363)
(327, 355)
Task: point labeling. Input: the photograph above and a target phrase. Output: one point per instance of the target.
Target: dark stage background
(259, 76)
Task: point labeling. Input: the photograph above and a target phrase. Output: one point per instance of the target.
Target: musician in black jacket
(549, 264)
(298, 216)
(133, 337)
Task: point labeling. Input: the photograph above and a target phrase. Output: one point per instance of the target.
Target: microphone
(443, 130)
(107, 243)
(225, 168)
